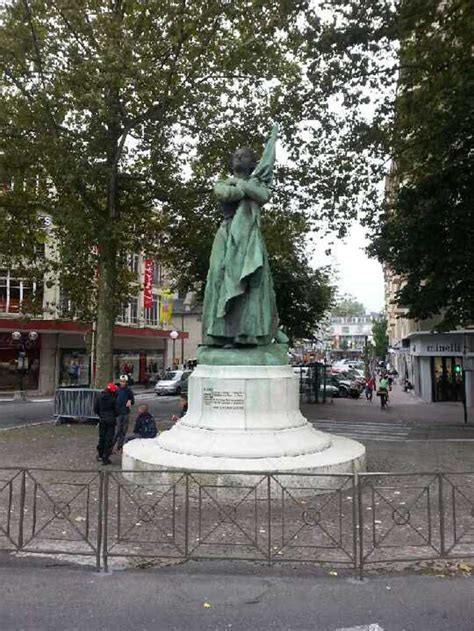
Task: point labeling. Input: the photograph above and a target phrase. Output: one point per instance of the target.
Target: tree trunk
(108, 250)
(106, 311)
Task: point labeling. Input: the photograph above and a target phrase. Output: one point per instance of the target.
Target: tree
(344, 345)
(347, 305)
(401, 76)
(426, 233)
(379, 333)
(116, 114)
(304, 294)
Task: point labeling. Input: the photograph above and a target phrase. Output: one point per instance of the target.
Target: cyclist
(383, 391)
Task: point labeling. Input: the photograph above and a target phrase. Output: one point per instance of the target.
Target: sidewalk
(220, 596)
(403, 406)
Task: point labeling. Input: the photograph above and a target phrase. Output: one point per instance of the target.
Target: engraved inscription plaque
(224, 399)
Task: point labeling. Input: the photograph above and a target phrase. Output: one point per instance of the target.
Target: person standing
(369, 388)
(106, 409)
(125, 400)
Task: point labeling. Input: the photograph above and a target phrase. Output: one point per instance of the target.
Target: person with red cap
(106, 409)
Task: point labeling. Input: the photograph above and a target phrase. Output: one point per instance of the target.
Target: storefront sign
(444, 349)
(148, 284)
(438, 345)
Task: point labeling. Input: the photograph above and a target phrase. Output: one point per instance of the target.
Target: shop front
(61, 357)
(15, 367)
(446, 378)
(74, 367)
(440, 365)
(139, 365)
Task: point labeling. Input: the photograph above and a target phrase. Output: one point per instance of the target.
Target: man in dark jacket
(125, 400)
(106, 409)
(145, 426)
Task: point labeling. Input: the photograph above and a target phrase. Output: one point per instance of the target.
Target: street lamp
(174, 336)
(23, 341)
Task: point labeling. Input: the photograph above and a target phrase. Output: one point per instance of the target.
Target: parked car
(348, 386)
(332, 386)
(174, 382)
(345, 364)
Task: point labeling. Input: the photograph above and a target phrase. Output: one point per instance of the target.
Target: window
(132, 262)
(129, 312)
(15, 291)
(66, 307)
(156, 273)
(152, 314)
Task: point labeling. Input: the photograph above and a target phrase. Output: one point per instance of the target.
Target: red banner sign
(148, 284)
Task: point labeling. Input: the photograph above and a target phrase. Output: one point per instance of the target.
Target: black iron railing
(355, 521)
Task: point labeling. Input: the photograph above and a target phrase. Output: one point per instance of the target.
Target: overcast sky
(357, 274)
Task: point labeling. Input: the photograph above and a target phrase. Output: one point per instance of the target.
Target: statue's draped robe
(239, 302)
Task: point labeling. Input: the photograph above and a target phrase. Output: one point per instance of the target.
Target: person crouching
(145, 426)
(106, 409)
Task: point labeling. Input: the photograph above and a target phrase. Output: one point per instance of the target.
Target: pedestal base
(244, 419)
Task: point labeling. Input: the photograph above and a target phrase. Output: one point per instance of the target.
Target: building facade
(438, 365)
(348, 335)
(62, 352)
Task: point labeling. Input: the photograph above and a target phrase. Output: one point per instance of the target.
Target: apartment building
(58, 349)
(349, 334)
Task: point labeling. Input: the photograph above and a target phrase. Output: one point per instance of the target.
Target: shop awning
(73, 326)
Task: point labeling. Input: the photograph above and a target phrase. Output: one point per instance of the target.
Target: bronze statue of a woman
(239, 301)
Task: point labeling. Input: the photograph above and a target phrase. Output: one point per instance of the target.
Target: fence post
(186, 517)
(355, 521)
(106, 520)
(269, 525)
(324, 383)
(99, 521)
(360, 522)
(442, 532)
(22, 509)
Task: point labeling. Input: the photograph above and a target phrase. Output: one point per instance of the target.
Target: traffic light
(457, 369)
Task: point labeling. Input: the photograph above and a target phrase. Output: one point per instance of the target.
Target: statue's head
(244, 161)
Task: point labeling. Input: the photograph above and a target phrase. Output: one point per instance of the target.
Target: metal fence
(75, 403)
(314, 384)
(354, 521)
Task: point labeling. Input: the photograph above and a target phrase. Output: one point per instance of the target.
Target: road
(227, 596)
(406, 418)
(19, 413)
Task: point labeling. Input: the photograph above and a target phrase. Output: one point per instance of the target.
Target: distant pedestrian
(183, 402)
(145, 426)
(369, 388)
(106, 409)
(125, 400)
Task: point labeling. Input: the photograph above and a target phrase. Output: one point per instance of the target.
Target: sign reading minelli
(223, 399)
(437, 345)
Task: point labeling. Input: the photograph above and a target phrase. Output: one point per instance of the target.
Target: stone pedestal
(245, 419)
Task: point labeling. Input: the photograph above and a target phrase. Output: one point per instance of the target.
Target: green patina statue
(239, 302)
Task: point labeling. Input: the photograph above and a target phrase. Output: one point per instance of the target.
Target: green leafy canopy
(125, 110)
